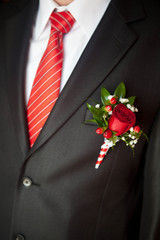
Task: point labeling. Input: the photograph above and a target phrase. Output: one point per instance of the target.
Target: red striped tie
(46, 85)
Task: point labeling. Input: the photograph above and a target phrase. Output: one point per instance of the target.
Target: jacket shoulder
(9, 9)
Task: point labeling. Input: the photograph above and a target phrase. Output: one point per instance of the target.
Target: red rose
(122, 119)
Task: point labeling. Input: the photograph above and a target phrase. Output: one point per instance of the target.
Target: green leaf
(97, 112)
(92, 100)
(131, 100)
(106, 122)
(97, 115)
(91, 120)
(107, 102)
(99, 122)
(114, 138)
(104, 95)
(105, 113)
(114, 132)
(120, 90)
(103, 109)
(145, 136)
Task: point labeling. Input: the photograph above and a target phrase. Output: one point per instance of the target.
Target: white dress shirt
(87, 13)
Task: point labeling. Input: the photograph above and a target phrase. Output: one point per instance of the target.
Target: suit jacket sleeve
(150, 224)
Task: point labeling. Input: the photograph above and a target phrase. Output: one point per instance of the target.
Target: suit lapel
(109, 44)
(18, 33)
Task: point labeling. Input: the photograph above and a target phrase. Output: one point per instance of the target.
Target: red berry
(99, 130)
(108, 108)
(136, 129)
(107, 134)
(113, 100)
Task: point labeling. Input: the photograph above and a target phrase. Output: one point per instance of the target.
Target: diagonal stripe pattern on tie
(46, 85)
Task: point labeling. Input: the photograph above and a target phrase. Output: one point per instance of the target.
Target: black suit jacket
(68, 198)
(150, 220)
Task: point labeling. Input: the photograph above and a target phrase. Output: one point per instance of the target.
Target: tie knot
(62, 21)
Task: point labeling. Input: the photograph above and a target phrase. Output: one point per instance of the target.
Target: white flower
(135, 141)
(132, 108)
(131, 142)
(129, 106)
(123, 100)
(110, 97)
(133, 146)
(130, 135)
(97, 106)
(131, 129)
(110, 113)
(123, 138)
(133, 137)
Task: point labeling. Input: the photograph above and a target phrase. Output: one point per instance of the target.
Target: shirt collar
(87, 13)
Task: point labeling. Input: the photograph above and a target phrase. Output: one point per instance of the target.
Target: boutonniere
(116, 120)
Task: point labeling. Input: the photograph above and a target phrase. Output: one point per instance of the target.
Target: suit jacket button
(20, 237)
(27, 182)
